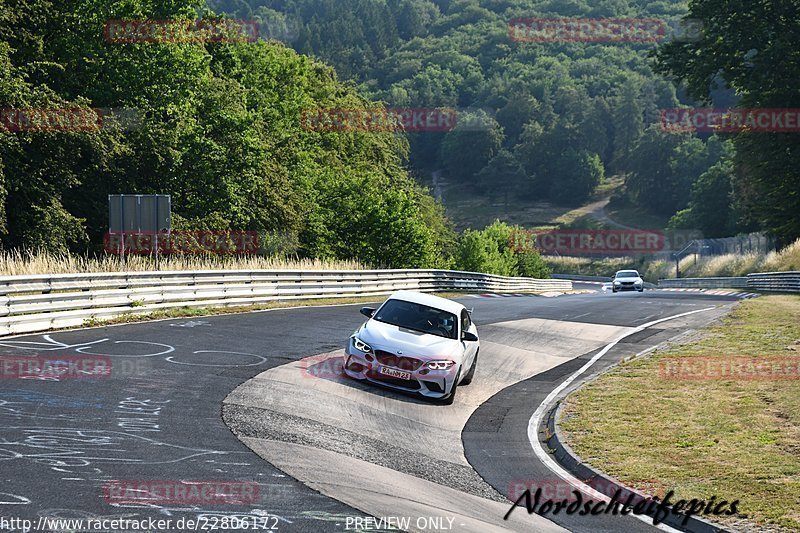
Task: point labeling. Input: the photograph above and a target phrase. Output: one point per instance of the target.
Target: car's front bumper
(423, 381)
(627, 287)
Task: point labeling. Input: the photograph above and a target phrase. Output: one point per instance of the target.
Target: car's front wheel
(468, 378)
(449, 400)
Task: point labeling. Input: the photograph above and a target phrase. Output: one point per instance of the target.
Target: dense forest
(564, 115)
(219, 123)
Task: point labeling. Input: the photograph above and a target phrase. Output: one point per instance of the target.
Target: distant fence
(42, 302)
(755, 243)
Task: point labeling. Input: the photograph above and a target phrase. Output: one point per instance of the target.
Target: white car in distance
(627, 280)
(417, 343)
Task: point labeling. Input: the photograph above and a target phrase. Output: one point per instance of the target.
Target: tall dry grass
(653, 271)
(743, 264)
(585, 266)
(729, 265)
(786, 259)
(16, 263)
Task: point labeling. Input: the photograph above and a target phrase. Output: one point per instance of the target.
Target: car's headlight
(440, 365)
(638, 282)
(616, 282)
(360, 345)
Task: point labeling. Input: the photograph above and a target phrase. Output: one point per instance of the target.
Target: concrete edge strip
(146, 320)
(538, 415)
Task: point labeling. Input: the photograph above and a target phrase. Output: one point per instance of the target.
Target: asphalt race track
(335, 449)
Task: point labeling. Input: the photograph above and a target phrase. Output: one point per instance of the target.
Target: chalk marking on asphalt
(536, 419)
(263, 359)
(7, 498)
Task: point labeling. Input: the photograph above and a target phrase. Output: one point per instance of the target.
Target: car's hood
(627, 279)
(382, 336)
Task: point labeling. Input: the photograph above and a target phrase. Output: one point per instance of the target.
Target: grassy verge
(733, 438)
(467, 209)
(623, 212)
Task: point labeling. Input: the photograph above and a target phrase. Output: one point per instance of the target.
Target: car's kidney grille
(409, 364)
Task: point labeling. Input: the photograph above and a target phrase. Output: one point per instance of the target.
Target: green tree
(415, 17)
(503, 176)
(591, 97)
(531, 265)
(579, 173)
(628, 120)
(517, 112)
(221, 131)
(663, 167)
(749, 47)
(466, 151)
(711, 207)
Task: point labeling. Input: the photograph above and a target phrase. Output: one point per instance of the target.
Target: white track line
(536, 419)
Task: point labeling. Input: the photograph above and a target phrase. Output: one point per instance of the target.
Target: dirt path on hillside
(597, 211)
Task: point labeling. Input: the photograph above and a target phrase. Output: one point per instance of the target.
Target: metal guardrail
(42, 302)
(774, 281)
(703, 283)
(762, 281)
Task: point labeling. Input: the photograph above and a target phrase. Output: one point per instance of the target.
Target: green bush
(487, 251)
(490, 251)
(531, 265)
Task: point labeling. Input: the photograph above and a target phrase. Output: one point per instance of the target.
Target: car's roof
(628, 270)
(428, 299)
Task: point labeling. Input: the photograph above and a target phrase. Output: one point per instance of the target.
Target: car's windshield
(627, 274)
(418, 317)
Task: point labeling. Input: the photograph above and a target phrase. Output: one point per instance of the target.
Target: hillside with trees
(219, 125)
(561, 116)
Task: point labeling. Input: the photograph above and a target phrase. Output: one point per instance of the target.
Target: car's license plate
(399, 374)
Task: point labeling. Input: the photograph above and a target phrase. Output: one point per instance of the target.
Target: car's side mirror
(469, 337)
(368, 311)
